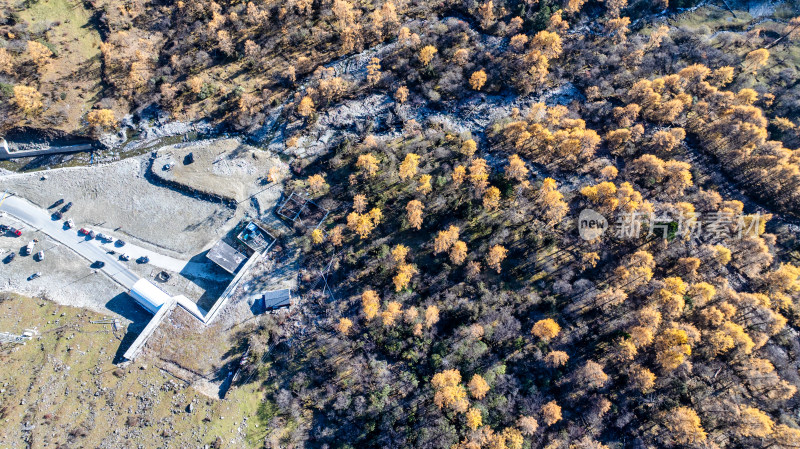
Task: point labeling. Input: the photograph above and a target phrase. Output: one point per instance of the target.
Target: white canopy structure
(149, 296)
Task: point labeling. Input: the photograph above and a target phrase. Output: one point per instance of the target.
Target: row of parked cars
(60, 212)
(8, 229)
(99, 236)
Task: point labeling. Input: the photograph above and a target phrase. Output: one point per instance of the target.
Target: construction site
(178, 250)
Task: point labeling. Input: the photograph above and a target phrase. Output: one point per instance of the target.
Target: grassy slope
(76, 69)
(39, 389)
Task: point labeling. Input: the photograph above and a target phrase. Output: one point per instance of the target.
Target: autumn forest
(456, 300)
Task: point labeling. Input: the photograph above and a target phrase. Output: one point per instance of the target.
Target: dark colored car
(3, 228)
(58, 203)
(10, 257)
(120, 242)
(98, 264)
(57, 215)
(143, 259)
(67, 207)
(91, 234)
(34, 276)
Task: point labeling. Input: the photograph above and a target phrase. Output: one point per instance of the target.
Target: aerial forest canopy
(451, 298)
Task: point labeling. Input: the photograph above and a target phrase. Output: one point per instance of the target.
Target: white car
(40, 256)
(70, 224)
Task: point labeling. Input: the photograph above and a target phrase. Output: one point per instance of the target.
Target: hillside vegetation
(463, 304)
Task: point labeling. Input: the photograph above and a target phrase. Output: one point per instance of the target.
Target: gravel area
(222, 168)
(117, 196)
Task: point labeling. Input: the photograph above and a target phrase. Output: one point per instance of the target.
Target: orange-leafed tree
(551, 413)
(474, 418)
(409, 166)
(478, 387)
(414, 210)
(399, 253)
(368, 164)
(469, 147)
(431, 316)
(555, 359)
(426, 54)
(477, 79)
(27, 99)
(445, 239)
(391, 313)
(344, 325)
(684, 427)
(495, 257)
(479, 175)
(370, 303)
(306, 106)
(459, 174)
(449, 393)
(458, 252)
(403, 277)
(491, 198)
(546, 329)
(516, 168)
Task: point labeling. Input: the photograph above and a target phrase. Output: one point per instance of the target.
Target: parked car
(70, 224)
(143, 259)
(57, 215)
(120, 242)
(100, 236)
(58, 203)
(83, 231)
(34, 276)
(91, 234)
(29, 248)
(124, 257)
(67, 207)
(3, 228)
(10, 257)
(40, 256)
(98, 264)
(15, 231)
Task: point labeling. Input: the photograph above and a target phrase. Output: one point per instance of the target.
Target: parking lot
(66, 277)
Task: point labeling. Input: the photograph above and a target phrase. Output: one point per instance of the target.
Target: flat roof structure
(277, 299)
(255, 237)
(226, 257)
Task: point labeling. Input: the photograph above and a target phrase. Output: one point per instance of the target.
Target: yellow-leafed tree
(370, 303)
